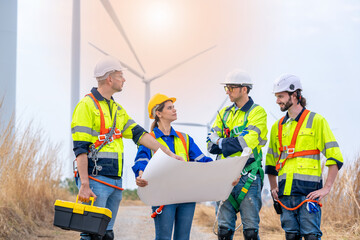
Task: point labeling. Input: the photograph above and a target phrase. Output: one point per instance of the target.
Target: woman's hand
(141, 182)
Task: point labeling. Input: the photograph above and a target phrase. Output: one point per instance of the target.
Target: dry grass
(29, 183)
(340, 211)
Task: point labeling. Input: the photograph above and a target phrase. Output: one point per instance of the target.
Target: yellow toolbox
(81, 217)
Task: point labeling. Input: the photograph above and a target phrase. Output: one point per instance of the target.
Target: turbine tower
(110, 10)
(8, 33)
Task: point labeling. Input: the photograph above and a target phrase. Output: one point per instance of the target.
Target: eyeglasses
(231, 88)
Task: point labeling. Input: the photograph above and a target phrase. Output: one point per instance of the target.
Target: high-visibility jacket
(174, 143)
(253, 135)
(301, 175)
(85, 128)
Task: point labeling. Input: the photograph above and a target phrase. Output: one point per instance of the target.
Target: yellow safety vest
(181, 144)
(85, 127)
(302, 175)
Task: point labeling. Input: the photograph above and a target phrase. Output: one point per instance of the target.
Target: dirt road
(135, 223)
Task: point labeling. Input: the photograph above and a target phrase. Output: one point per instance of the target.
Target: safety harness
(250, 170)
(290, 150)
(158, 211)
(107, 135)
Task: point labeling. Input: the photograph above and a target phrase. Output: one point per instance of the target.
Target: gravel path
(135, 223)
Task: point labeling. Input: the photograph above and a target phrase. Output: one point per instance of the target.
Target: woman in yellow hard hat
(177, 216)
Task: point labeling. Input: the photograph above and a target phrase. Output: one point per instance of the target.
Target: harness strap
(103, 131)
(239, 129)
(254, 168)
(250, 170)
(290, 150)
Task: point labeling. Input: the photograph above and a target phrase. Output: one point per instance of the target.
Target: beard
(288, 104)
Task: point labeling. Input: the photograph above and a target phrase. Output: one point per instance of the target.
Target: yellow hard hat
(156, 100)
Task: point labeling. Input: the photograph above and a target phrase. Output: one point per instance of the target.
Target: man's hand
(274, 193)
(85, 193)
(173, 155)
(234, 183)
(213, 137)
(141, 182)
(318, 194)
(333, 170)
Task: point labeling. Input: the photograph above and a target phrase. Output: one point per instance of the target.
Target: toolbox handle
(91, 199)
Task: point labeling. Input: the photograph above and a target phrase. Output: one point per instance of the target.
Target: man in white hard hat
(293, 156)
(241, 125)
(98, 126)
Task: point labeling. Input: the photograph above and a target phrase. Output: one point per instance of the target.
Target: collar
(97, 95)
(158, 133)
(244, 108)
(296, 119)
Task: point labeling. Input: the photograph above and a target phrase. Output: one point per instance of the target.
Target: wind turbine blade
(125, 65)
(221, 106)
(110, 10)
(273, 115)
(190, 124)
(179, 64)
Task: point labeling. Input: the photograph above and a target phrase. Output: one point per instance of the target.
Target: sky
(315, 40)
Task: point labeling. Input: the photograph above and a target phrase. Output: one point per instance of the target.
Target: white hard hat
(238, 77)
(287, 83)
(107, 64)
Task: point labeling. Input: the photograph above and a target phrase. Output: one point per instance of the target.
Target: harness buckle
(244, 172)
(290, 150)
(251, 176)
(117, 132)
(102, 137)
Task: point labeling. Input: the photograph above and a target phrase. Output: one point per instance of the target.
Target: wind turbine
(208, 124)
(110, 10)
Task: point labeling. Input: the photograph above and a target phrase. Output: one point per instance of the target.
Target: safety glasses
(230, 88)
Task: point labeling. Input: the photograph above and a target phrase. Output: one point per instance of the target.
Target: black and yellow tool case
(81, 217)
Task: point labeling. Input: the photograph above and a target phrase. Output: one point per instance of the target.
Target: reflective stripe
(217, 129)
(142, 159)
(93, 101)
(129, 122)
(242, 142)
(199, 157)
(310, 120)
(84, 130)
(184, 136)
(315, 157)
(271, 152)
(309, 178)
(113, 155)
(261, 141)
(329, 145)
(254, 128)
(282, 177)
